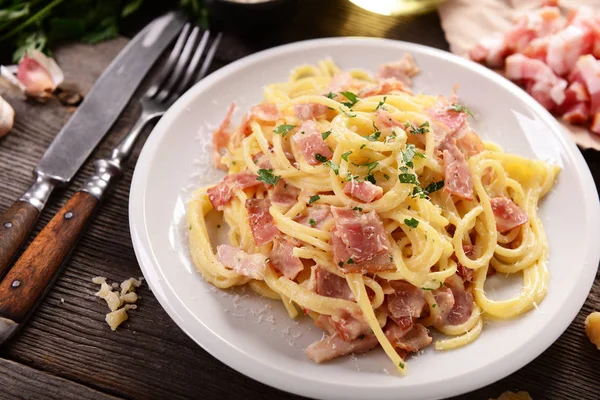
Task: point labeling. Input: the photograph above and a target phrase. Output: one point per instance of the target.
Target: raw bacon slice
(250, 265)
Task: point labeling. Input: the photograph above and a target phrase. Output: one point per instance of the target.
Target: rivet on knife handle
(19, 220)
(35, 270)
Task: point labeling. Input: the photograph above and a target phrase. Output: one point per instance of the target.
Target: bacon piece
(331, 285)
(577, 114)
(260, 220)
(266, 112)
(317, 216)
(406, 303)
(339, 82)
(309, 110)
(283, 259)
(589, 70)
(364, 191)
(334, 346)
(250, 265)
(384, 120)
(386, 86)
(222, 193)
(537, 48)
(469, 143)
(508, 215)
(408, 340)
(466, 273)
(349, 327)
(595, 127)
(359, 238)
(309, 142)
(444, 300)
(284, 194)
(401, 70)
(544, 81)
(457, 176)
(490, 50)
(221, 138)
(565, 47)
(462, 306)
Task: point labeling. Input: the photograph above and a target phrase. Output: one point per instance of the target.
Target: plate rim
(270, 376)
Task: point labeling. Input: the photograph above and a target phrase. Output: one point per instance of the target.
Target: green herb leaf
(401, 364)
(341, 263)
(357, 208)
(413, 223)
(460, 109)
(348, 114)
(325, 135)
(386, 176)
(350, 261)
(131, 7)
(313, 199)
(350, 96)
(423, 128)
(373, 137)
(408, 178)
(345, 155)
(434, 186)
(333, 166)
(320, 158)
(331, 95)
(381, 103)
(362, 146)
(266, 176)
(311, 222)
(371, 179)
(283, 129)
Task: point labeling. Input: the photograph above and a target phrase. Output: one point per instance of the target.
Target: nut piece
(514, 396)
(592, 328)
(7, 117)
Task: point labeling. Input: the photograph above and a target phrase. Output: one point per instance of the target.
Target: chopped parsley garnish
(350, 96)
(361, 337)
(313, 199)
(408, 178)
(350, 261)
(348, 114)
(333, 166)
(460, 109)
(266, 176)
(371, 165)
(381, 103)
(413, 223)
(362, 146)
(311, 222)
(401, 364)
(353, 178)
(345, 155)
(331, 95)
(434, 186)
(320, 158)
(341, 263)
(409, 154)
(371, 179)
(373, 137)
(325, 135)
(218, 226)
(268, 260)
(386, 176)
(357, 208)
(283, 129)
(421, 129)
(433, 305)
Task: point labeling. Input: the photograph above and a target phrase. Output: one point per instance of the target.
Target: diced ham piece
(490, 50)
(309, 111)
(349, 327)
(537, 48)
(589, 69)
(309, 142)
(339, 82)
(250, 265)
(260, 220)
(334, 346)
(364, 191)
(457, 176)
(508, 215)
(565, 47)
(222, 193)
(401, 70)
(595, 127)
(577, 114)
(384, 120)
(463, 302)
(221, 137)
(406, 303)
(359, 241)
(469, 143)
(331, 285)
(282, 258)
(266, 112)
(317, 216)
(284, 194)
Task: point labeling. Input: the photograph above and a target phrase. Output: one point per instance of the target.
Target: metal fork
(40, 264)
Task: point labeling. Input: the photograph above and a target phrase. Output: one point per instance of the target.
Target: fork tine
(192, 67)
(209, 56)
(183, 61)
(171, 61)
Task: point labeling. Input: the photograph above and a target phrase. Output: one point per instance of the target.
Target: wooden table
(68, 351)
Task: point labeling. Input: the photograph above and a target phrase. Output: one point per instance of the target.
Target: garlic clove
(39, 74)
(7, 117)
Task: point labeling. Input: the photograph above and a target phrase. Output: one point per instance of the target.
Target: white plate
(254, 335)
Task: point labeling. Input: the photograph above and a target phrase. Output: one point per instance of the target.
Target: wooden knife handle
(27, 281)
(15, 225)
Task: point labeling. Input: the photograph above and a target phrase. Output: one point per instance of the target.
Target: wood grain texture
(37, 267)
(22, 382)
(149, 357)
(15, 224)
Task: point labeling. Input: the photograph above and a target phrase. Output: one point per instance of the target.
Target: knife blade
(84, 130)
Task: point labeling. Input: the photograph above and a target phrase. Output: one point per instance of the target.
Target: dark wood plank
(21, 382)
(149, 356)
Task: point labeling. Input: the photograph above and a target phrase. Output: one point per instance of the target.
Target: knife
(84, 130)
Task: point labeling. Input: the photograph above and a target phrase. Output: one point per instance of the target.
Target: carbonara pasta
(376, 212)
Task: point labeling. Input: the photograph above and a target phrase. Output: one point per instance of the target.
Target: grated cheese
(118, 302)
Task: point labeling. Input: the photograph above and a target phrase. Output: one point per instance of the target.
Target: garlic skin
(39, 74)
(7, 117)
